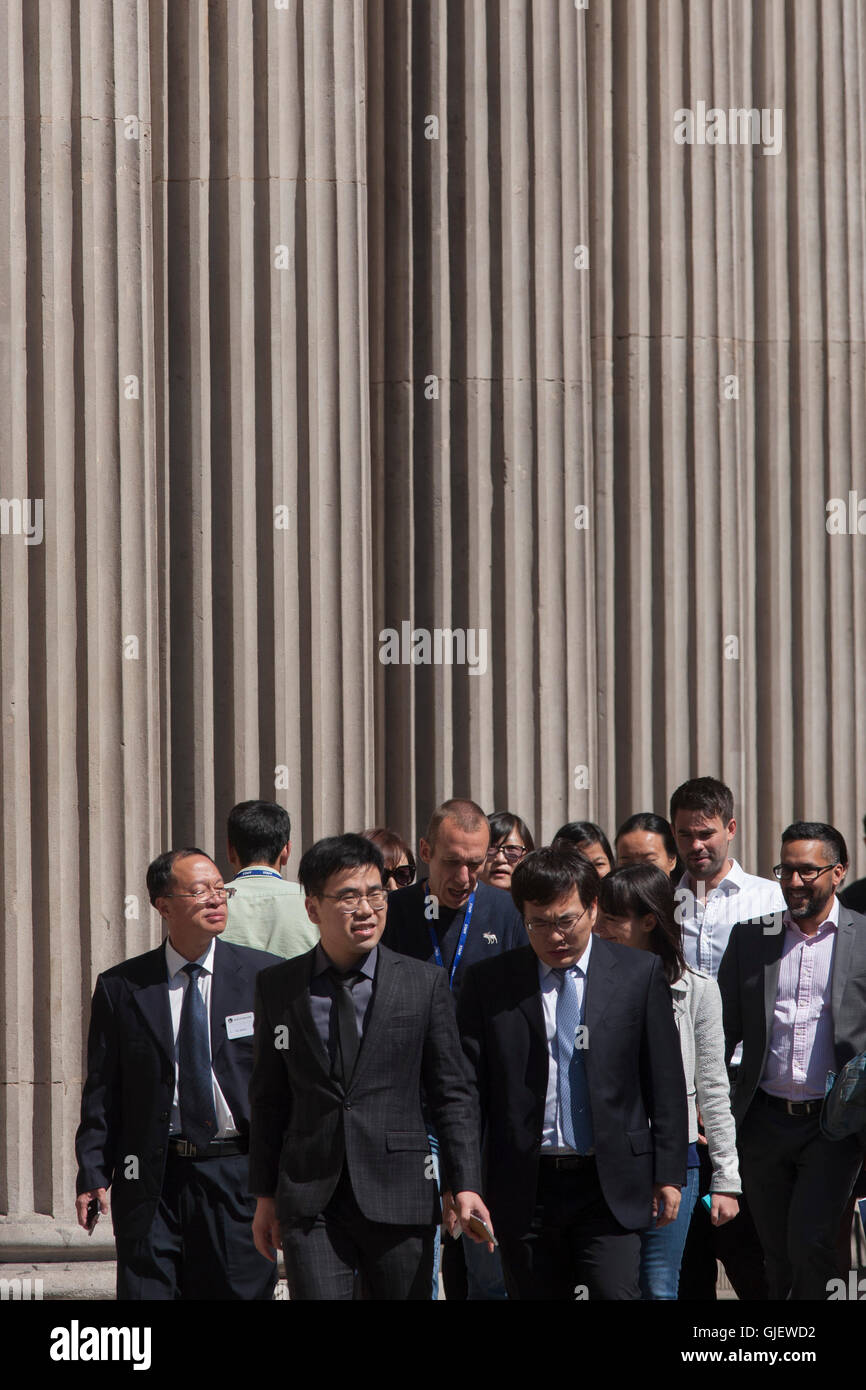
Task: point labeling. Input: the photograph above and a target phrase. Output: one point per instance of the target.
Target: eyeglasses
(402, 876)
(377, 898)
(785, 872)
(203, 895)
(564, 925)
(513, 853)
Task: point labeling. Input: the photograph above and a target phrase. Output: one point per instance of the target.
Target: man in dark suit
(346, 1036)
(574, 1047)
(453, 919)
(794, 994)
(164, 1114)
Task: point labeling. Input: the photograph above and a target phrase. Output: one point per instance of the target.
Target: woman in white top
(636, 908)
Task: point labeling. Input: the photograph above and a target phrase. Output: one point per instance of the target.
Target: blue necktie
(573, 1091)
(195, 1078)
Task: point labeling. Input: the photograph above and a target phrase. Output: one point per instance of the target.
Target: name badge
(239, 1025)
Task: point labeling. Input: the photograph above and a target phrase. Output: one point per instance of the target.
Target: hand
(470, 1204)
(702, 1138)
(723, 1208)
(83, 1200)
(450, 1218)
(666, 1204)
(266, 1231)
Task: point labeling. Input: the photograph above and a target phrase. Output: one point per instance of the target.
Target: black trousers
(574, 1243)
(200, 1245)
(798, 1184)
(323, 1252)
(736, 1244)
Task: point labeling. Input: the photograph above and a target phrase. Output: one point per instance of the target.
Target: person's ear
(648, 922)
(312, 906)
(425, 851)
(232, 855)
(284, 854)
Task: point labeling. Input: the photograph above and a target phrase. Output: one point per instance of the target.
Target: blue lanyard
(437, 954)
(257, 873)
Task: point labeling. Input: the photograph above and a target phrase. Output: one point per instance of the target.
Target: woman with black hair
(636, 908)
(592, 842)
(509, 841)
(646, 838)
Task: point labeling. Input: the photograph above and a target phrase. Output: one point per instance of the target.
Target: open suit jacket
(496, 926)
(634, 1071)
(126, 1105)
(749, 981)
(305, 1124)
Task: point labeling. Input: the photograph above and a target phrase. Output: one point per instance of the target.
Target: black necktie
(195, 1079)
(347, 1027)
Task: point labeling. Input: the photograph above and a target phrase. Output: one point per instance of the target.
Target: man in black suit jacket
(854, 896)
(345, 1037)
(795, 995)
(164, 1114)
(579, 1069)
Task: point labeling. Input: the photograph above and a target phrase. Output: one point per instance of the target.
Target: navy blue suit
(496, 926)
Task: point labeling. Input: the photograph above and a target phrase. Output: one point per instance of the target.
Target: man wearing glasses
(575, 1051)
(164, 1114)
(796, 1000)
(346, 1036)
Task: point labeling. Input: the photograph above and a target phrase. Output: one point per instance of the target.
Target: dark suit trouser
(798, 1184)
(736, 1244)
(200, 1245)
(574, 1240)
(322, 1253)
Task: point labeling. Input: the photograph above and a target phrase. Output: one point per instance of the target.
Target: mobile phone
(92, 1215)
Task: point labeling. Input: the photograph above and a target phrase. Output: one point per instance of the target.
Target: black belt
(791, 1107)
(217, 1148)
(568, 1162)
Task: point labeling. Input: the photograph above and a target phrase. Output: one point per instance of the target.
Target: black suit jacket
(126, 1105)
(305, 1124)
(496, 926)
(854, 896)
(634, 1071)
(749, 980)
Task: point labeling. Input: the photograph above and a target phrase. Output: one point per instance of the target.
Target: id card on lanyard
(437, 954)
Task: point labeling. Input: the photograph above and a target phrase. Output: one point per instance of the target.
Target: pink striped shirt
(801, 1048)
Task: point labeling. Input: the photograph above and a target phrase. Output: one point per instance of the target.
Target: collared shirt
(268, 913)
(801, 1050)
(323, 987)
(178, 983)
(550, 981)
(740, 897)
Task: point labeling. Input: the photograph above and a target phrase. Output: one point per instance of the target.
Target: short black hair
(585, 832)
(258, 831)
(336, 852)
(160, 873)
(818, 830)
(552, 871)
(501, 825)
(707, 795)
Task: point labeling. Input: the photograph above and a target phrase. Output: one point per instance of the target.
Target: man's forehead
(195, 868)
(556, 908)
(451, 838)
(803, 851)
(696, 820)
(357, 877)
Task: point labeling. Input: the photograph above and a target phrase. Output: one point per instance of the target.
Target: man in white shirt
(267, 911)
(713, 895)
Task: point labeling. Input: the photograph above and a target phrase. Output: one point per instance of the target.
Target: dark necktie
(195, 1079)
(347, 1027)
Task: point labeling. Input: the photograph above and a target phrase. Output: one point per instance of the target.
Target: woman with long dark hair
(510, 839)
(636, 908)
(646, 838)
(592, 842)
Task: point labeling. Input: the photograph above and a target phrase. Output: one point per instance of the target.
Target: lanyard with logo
(437, 954)
(258, 873)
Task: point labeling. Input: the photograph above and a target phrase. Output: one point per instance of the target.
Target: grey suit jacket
(749, 979)
(304, 1124)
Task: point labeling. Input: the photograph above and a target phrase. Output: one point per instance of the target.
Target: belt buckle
(185, 1148)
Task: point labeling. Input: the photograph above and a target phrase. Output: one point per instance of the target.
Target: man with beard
(713, 894)
(795, 1000)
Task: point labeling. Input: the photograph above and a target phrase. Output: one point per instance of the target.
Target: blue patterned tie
(195, 1078)
(573, 1091)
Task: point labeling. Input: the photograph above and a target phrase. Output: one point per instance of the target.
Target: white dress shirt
(552, 1139)
(178, 982)
(706, 927)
